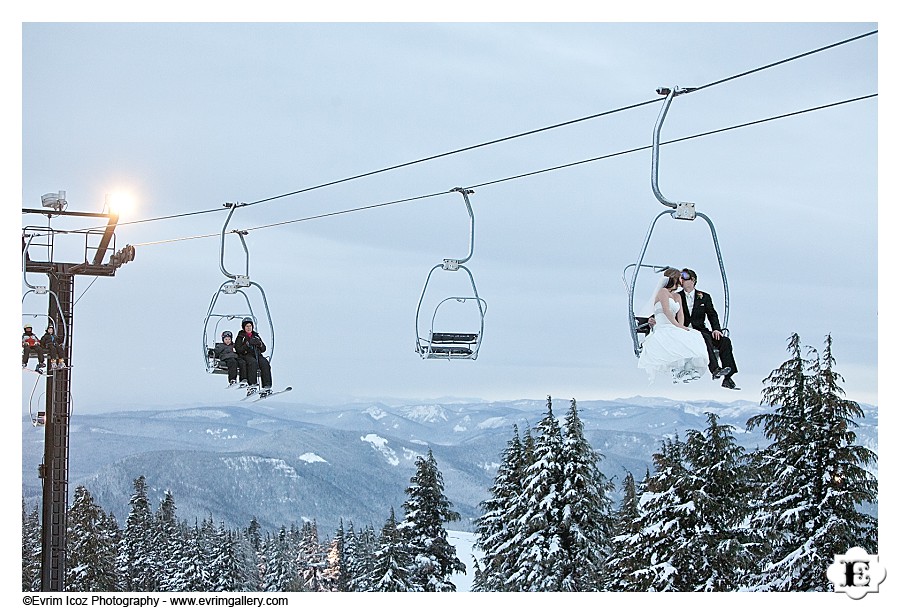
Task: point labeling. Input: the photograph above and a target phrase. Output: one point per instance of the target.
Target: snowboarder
(30, 343)
(53, 345)
(250, 347)
(224, 351)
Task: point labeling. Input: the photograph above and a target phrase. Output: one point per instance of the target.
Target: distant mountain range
(288, 462)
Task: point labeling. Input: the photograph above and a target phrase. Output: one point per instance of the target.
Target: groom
(698, 307)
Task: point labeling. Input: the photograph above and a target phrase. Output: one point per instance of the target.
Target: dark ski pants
(26, 354)
(235, 367)
(55, 351)
(262, 365)
(725, 354)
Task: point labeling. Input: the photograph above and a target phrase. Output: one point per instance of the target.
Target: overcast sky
(186, 117)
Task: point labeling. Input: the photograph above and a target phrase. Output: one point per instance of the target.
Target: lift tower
(54, 471)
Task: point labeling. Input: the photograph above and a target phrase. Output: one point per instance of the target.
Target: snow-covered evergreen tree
(91, 550)
(541, 562)
(548, 524)
(281, 573)
(721, 544)
(310, 558)
(358, 580)
(136, 562)
(169, 543)
(334, 575)
(848, 484)
(31, 549)
(623, 564)
(227, 571)
(667, 520)
(427, 510)
(193, 573)
(586, 510)
(816, 476)
(368, 544)
(391, 569)
(496, 529)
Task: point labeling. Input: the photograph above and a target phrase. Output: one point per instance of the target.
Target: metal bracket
(685, 211)
(451, 264)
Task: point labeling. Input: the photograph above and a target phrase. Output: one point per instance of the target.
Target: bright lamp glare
(120, 202)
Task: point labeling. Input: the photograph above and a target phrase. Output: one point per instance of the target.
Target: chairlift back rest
(642, 325)
(454, 337)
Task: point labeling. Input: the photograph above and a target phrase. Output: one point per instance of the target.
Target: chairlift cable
(504, 139)
(531, 173)
(784, 61)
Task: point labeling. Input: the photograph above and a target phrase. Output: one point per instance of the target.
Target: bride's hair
(673, 275)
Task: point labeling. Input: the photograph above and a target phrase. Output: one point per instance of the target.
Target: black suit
(696, 318)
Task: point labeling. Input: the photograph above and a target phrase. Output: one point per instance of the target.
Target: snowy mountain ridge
(282, 462)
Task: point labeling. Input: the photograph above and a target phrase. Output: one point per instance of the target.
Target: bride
(671, 346)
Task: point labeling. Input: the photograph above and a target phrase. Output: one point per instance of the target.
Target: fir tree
(667, 519)
(817, 475)
(357, 575)
(193, 573)
(31, 549)
(253, 534)
(540, 566)
(720, 487)
(169, 543)
(846, 485)
(281, 564)
(136, 564)
(91, 551)
(368, 544)
(427, 510)
(622, 564)
(496, 535)
(310, 558)
(334, 575)
(586, 510)
(392, 561)
(227, 571)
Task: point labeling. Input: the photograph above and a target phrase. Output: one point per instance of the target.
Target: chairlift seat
(642, 325)
(449, 345)
(450, 350)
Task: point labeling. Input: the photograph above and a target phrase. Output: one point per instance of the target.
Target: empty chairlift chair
(453, 343)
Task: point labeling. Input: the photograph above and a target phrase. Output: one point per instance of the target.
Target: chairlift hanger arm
(669, 93)
(454, 262)
(241, 234)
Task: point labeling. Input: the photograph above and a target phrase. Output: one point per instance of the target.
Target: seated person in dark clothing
(229, 359)
(250, 347)
(31, 344)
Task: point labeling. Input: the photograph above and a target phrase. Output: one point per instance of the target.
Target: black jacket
(55, 339)
(703, 310)
(253, 346)
(224, 352)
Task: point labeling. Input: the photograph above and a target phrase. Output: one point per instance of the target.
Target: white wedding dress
(669, 349)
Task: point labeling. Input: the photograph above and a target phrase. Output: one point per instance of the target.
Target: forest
(711, 516)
